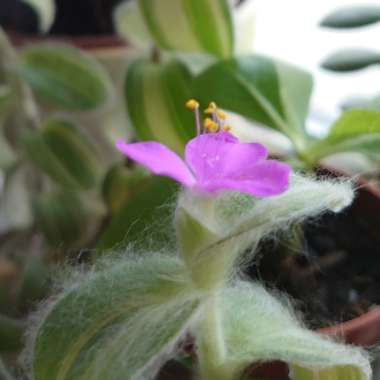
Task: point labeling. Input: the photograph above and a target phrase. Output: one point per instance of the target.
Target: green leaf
(351, 59)
(156, 95)
(64, 153)
(242, 221)
(6, 98)
(234, 223)
(11, 334)
(120, 184)
(262, 89)
(352, 16)
(65, 77)
(45, 10)
(118, 323)
(354, 131)
(129, 23)
(61, 216)
(265, 329)
(139, 212)
(206, 26)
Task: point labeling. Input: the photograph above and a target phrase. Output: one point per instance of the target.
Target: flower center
(215, 122)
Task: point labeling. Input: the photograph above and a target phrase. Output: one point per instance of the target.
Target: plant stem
(212, 350)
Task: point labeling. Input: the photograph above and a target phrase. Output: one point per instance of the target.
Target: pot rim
(90, 42)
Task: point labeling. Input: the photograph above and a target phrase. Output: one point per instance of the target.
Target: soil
(333, 274)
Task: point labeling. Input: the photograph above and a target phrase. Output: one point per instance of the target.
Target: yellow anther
(221, 115)
(209, 111)
(192, 104)
(227, 128)
(210, 125)
(212, 105)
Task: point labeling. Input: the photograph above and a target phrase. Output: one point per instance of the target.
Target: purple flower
(214, 162)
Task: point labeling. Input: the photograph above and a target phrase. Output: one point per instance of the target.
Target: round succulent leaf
(64, 154)
(156, 94)
(120, 322)
(352, 16)
(65, 77)
(351, 60)
(267, 91)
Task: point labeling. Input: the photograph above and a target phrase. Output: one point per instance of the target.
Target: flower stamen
(193, 105)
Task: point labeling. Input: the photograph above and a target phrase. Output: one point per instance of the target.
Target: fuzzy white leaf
(259, 328)
(240, 221)
(121, 322)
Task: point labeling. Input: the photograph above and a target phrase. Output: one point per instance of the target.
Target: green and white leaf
(206, 26)
(129, 23)
(351, 59)
(45, 10)
(267, 91)
(355, 131)
(65, 77)
(352, 16)
(64, 154)
(117, 323)
(156, 94)
(260, 328)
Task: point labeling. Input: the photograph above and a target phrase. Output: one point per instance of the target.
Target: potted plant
(156, 87)
(134, 310)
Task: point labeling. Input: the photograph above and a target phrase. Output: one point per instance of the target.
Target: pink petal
(158, 159)
(241, 157)
(205, 154)
(266, 178)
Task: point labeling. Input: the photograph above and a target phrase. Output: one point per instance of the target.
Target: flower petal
(266, 178)
(205, 154)
(158, 159)
(240, 158)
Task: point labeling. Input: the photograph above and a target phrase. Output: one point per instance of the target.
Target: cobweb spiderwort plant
(131, 313)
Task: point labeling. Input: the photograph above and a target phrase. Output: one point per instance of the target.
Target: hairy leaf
(260, 328)
(235, 222)
(351, 59)
(120, 322)
(352, 16)
(142, 209)
(156, 95)
(262, 89)
(65, 77)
